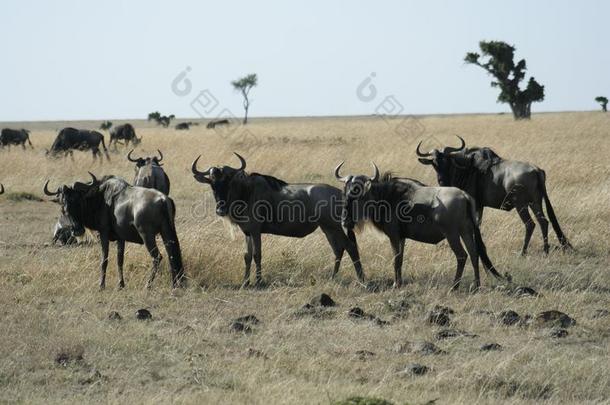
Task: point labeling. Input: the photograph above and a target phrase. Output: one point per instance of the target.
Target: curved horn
(452, 149)
(93, 178)
(376, 175)
(130, 158)
(46, 190)
(1, 189)
(197, 172)
(419, 153)
(337, 175)
(160, 156)
(241, 160)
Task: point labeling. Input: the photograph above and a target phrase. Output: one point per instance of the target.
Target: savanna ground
(50, 305)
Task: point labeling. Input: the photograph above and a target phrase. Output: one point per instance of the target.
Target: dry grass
(50, 307)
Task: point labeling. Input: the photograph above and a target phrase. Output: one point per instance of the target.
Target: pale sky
(117, 59)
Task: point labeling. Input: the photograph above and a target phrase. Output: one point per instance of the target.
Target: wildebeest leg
(337, 245)
(352, 250)
(151, 246)
(23, 145)
(543, 222)
(398, 246)
(529, 226)
(104, 241)
(71, 152)
(120, 256)
(256, 253)
(471, 247)
(460, 255)
(248, 261)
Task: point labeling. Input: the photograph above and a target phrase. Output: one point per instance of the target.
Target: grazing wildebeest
(70, 139)
(10, 137)
(185, 125)
(62, 232)
(122, 213)
(403, 208)
(260, 204)
(212, 124)
(149, 173)
(497, 183)
(124, 132)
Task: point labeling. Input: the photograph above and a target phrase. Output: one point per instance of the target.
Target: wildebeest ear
(56, 200)
(425, 161)
(202, 179)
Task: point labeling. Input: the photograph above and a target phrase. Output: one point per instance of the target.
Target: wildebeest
(122, 213)
(10, 137)
(183, 126)
(403, 208)
(126, 133)
(497, 183)
(149, 173)
(62, 232)
(212, 124)
(70, 139)
(261, 204)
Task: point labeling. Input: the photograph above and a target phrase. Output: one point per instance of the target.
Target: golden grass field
(50, 304)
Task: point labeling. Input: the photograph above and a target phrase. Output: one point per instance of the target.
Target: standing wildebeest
(149, 173)
(10, 137)
(497, 183)
(406, 209)
(261, 204)
(122, 213)
(70, 139)
(124, 132)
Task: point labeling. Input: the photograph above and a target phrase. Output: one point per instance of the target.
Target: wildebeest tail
(172, 245)
(478, 239)
(27, 137)
(550, 212)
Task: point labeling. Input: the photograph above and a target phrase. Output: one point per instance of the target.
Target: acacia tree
(244, 85)
(603, 101)
(500, 64)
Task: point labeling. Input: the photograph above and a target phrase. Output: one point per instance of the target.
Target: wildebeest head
(355, 194)
(154, 160)
(72, 201)
(219, 178)
(444, 161)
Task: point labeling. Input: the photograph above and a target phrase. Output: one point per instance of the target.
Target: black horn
(1, 189)
(419, 153)
(197, 172)
(93, 178)
(160, 156)
(450, 149)
(241, 160)
(46, 190)
(130, 158)
(337, 175)
(376, 174)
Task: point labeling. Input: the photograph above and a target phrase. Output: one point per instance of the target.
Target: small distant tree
(244, 85)
(106, 125)
(603, 101)
(154, 116)
(500, 64)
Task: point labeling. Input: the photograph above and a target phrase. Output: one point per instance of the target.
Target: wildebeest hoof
(102, 287)
(245, 284)
(121, 286)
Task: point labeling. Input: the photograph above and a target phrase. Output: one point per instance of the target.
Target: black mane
(273, 182)
(393, 189)
(482, 158)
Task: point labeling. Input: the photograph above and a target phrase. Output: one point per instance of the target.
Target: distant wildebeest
(497, 183)
(260, 204)
(62, 232)
(403, 208)
(126, 133)
(70, 139)
(185, 125)
(149, 173)
(122, 213)
(106, 125)
(10, 137)
(214, 123)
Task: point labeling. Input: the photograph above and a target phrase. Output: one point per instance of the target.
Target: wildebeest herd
(401, 208)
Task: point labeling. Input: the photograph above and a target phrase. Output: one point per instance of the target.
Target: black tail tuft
(172, 245)
(551, 213)
(478, 239)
